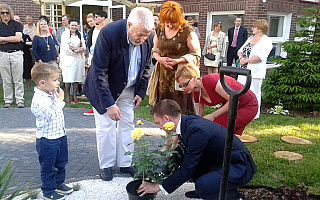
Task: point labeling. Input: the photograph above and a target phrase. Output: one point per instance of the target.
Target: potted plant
(151, 163)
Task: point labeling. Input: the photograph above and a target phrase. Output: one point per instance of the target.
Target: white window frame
(285, 31)
(211, 14)
(115, 7)
(191, 14)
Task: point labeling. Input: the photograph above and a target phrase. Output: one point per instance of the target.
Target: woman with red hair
(175, 43)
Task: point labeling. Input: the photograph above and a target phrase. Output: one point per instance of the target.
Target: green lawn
(268, 129)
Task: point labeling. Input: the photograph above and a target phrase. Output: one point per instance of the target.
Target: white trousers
(11, 70)
(255, 87)
(114, 138)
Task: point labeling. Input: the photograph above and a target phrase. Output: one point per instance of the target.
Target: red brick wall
(254, 9)
(22, 8)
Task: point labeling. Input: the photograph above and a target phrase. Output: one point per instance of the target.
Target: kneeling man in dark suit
(204, 143)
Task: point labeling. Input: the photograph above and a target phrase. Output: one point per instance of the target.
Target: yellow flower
(139, 122)
(169, 126)
(137, 134)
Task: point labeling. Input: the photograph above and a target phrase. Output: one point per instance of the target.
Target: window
(275, 26)
(227, 21)
(279, 31)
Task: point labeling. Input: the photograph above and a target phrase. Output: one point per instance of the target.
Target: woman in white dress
(215, 44)
(72, 59)
(253, 55)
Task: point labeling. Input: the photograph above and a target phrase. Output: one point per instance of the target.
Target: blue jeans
(53, 158)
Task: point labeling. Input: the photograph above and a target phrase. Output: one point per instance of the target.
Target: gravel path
(96, 189)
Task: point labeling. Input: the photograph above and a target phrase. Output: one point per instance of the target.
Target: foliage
(296, 82)
(278, 109)
(7, 181)
(288, 193)
(152, 164)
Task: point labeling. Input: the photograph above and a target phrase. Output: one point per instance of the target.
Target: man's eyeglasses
(185, 84)
(4, 13)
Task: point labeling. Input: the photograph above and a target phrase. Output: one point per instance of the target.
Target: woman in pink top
(207, 90)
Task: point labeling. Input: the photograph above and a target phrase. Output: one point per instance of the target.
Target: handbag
(210, 56)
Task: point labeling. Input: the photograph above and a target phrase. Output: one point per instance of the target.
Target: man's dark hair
(73, 20)
(45, 18)
(67, 16)
(166, 107)
(102, 14)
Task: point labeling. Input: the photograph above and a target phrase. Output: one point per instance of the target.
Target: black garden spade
(232, 114)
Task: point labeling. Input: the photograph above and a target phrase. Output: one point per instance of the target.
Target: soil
(265, 193)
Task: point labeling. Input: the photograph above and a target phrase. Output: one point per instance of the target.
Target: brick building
(281, 15)
(23, 8)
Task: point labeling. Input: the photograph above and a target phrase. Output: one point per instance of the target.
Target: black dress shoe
(106, 174)
(192, 194)
(128, 170)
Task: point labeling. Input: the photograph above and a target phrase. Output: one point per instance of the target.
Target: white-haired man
(115, 85)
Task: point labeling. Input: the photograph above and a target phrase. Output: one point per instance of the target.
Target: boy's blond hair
(43, 71)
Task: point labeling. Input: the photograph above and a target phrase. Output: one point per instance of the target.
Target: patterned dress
(174, 47)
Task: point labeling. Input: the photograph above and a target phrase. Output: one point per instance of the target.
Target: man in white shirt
(65, 25)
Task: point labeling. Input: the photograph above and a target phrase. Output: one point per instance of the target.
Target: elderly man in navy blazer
(237, 36)
(204, 143)
(116, 84)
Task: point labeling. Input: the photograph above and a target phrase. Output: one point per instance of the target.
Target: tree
(296, 83)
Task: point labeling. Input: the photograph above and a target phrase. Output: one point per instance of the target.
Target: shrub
(296, 82)
(152, 164)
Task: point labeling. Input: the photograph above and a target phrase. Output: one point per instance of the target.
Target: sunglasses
(185, 84)
(97, 16)
(4, 13)
(218, 22)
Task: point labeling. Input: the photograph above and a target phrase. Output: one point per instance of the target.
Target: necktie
(234, 41)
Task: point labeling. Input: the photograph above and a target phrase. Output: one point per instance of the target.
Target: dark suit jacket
(204, 141)
(108, 74)
(241, 39)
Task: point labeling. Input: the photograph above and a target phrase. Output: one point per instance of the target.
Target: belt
(9, 51)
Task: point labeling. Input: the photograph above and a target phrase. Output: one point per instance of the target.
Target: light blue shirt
(135, 63)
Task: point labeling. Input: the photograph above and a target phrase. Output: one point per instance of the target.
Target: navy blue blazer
(108, 74)
(205, 141)
(241, 39)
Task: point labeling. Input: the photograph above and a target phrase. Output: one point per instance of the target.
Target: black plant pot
(132, 188)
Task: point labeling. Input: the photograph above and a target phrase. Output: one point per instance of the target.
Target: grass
(268, 129)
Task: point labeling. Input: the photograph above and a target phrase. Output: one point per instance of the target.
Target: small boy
(51, 142)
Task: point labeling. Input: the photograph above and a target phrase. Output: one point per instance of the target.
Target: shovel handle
(235, 71)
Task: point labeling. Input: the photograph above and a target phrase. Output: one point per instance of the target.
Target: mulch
(266, 193)
(292, 113)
